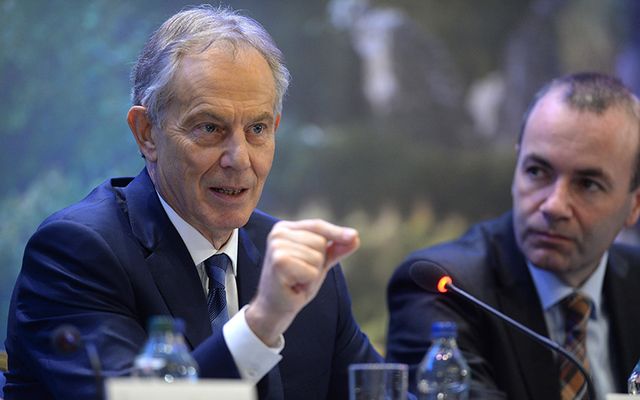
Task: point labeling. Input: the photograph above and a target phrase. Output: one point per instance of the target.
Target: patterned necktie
(577, 310)
(216, 268)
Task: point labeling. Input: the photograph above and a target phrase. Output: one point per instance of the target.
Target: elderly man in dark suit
(207, 98)
(576, 184)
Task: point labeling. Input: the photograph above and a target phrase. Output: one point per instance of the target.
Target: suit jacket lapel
(622, 302)
(537, 364)
(167, 259)
(518, 299)
(249, 267)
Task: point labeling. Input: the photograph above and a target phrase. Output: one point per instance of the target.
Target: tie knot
(577, 308)
(216, 268)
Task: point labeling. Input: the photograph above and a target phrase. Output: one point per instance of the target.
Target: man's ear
(276, 124)
(635, 208)
(140, 126)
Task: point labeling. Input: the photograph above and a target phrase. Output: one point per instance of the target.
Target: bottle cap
(164, 323)
(440, 329)
(178, 325)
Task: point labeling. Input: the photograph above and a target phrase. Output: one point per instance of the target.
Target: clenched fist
(299, 254)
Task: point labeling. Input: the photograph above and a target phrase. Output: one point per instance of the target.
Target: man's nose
(557, 204)
(236, 151)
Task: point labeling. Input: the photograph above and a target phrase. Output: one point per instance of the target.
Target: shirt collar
(198, 246)
(551, 289)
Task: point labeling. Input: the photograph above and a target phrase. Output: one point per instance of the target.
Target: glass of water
(378, 381)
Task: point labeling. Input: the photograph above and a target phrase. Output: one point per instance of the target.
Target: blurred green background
(400, 119)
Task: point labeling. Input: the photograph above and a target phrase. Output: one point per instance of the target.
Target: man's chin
(549, 261)
(232, 220)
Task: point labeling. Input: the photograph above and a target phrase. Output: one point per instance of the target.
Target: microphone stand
(96, 366)
(66, 339)
(539, 338)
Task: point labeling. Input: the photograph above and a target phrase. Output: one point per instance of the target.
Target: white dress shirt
(551, 291)
(253, 358)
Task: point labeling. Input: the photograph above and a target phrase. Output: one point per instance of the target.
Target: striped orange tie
(577, 310)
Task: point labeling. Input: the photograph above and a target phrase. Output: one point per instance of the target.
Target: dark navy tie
(216, 268)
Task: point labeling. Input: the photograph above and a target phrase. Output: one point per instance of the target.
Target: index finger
(331, 232)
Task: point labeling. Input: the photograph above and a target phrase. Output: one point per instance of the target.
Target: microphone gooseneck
(66, 339)
(433, 278)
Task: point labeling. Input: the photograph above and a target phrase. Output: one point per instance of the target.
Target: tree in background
(400, 120)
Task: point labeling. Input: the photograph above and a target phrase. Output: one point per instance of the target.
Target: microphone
(433, 278)
(66, 339)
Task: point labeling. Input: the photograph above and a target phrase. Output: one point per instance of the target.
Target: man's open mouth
(228, 192)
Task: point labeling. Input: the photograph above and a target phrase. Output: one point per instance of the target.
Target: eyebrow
(584, 172)
(263, 116)
(537, 159)
(259, 117)
(216, 117)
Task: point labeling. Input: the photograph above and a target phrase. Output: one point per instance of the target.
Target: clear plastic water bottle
(634, 380)
(444, 373)
(165, 354)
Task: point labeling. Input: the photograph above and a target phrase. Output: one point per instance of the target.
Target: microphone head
(66, 339)
(430, 276)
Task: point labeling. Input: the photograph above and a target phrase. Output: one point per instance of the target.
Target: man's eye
(258, 129)
(534, 171)
(208, 128)
(590, 185)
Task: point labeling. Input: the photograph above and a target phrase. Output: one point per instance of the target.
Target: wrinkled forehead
(222, 61)
(224, 76)
(579, 138)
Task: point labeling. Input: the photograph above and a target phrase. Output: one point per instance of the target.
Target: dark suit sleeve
(412, 311)
(352, 345)
(72, 275)
(214, 358)
(69, 276)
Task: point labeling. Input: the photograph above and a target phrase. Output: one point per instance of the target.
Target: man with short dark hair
(207, 98)
(550, 263)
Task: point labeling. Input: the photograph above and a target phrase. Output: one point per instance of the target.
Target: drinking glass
(378, 381)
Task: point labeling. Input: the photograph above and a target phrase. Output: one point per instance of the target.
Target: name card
(203, 389)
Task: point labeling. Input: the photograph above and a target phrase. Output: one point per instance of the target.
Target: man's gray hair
(194, 30)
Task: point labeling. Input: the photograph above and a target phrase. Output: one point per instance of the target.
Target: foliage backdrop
(400, 119)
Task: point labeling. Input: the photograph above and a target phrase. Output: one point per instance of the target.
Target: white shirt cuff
(253, 358)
